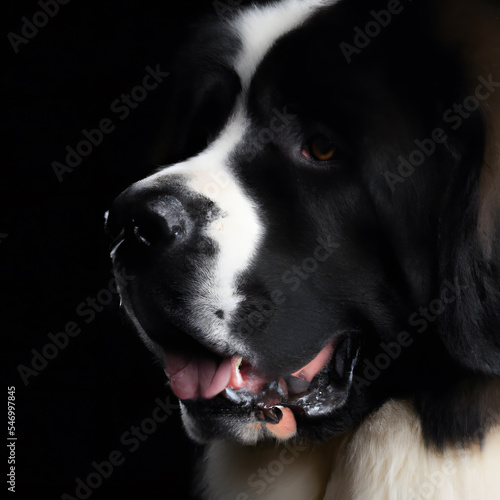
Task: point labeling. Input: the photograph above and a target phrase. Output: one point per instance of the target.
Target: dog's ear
(470, 245)
(204, 90)
(470, 218)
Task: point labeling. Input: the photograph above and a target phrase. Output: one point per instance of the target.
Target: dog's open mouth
(312, 391)
(199, 377)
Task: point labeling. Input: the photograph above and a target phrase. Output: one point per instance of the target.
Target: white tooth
(238, 374)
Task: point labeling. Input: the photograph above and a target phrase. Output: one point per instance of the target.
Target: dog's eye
(320, 148)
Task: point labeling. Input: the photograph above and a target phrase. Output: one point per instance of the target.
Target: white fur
(239, 230)
(390, 446)
(259, 28)
(385, 459)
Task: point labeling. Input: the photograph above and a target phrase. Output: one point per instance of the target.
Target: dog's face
(270, 264)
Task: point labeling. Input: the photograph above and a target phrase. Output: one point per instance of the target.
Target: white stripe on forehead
(258, 28)
(240, 229)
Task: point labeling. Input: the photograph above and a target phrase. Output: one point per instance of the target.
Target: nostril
(143, 219)
(146, 228)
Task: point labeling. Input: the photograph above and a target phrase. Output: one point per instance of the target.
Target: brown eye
(322, 149)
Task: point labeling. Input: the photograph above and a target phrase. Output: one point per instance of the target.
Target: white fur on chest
(385, 459)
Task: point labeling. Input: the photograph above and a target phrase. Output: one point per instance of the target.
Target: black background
(54, 254)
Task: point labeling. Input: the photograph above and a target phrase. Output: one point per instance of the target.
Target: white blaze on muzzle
(239, 230)
(236, 233)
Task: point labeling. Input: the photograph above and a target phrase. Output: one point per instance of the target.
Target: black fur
(398, 246)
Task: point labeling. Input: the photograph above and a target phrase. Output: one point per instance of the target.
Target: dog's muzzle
(163, 233)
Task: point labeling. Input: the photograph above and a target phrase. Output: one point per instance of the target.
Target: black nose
(145, 217)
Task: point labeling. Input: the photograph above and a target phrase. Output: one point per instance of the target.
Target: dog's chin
(252, 407)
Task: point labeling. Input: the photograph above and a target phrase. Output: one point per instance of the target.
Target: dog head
(274, 263)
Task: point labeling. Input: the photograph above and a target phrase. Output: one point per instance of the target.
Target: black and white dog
(321, 259)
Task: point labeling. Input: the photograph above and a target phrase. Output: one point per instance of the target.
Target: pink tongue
(197, 377)
(192, 377)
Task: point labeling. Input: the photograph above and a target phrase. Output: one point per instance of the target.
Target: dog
(317, 266)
